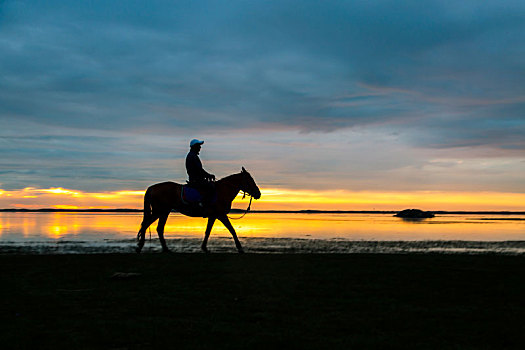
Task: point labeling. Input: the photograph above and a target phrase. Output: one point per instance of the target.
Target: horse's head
(248, 185)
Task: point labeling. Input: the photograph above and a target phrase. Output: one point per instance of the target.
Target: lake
(81, 232)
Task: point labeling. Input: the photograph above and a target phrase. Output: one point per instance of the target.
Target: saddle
(192, 201)
(190, 195)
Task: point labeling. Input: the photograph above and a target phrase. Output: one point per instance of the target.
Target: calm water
(101, 232)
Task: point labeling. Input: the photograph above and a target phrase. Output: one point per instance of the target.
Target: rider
(198, 177)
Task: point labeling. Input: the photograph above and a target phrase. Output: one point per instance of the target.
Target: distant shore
(307, 211)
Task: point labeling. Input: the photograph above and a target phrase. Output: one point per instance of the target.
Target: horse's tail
(147, 203)
(147, 212)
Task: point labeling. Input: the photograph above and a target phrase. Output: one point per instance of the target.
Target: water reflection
(24, 227)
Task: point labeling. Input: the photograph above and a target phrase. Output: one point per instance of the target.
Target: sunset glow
(89, 226)
(277, 199)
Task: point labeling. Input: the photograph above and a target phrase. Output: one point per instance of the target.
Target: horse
(160, 199)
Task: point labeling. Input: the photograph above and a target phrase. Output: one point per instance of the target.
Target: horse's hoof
(166, 250)
(241, 251)
(205, 250)
(137, 250)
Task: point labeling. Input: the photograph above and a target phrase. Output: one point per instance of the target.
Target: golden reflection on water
(100, 226)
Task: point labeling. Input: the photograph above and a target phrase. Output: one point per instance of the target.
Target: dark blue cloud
(115, 64)
(84, 162)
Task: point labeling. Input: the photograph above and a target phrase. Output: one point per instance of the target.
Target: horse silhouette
(160, 199)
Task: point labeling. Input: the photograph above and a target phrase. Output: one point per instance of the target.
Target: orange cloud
(61, 198)
(276, 199)
(370, 200)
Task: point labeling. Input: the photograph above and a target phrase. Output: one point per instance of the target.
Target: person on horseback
(198, 177)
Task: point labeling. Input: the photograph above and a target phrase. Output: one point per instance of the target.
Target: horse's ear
(243, 170)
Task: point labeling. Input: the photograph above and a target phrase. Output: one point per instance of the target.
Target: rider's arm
(207, 175)
(194, 164)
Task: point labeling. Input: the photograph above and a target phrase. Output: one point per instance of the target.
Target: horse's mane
(228, 178)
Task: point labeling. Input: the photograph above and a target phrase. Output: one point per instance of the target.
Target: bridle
(247, 209)
(249, 205)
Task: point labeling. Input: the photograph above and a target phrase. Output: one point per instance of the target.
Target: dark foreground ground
(198, 301)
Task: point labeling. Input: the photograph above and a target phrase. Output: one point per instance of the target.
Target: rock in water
(414, 214)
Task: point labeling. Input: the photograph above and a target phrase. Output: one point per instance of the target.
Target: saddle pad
(190, 195)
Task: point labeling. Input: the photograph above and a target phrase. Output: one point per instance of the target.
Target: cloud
(107, 93)
(115, 65)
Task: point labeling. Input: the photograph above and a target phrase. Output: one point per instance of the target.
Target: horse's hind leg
(160, 230)
(146, 222)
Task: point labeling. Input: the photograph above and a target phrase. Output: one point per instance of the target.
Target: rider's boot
(204, 209)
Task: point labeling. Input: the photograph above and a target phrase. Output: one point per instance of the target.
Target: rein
(245, 193)
(246, 211)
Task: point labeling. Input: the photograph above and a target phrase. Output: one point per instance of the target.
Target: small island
(414, 214)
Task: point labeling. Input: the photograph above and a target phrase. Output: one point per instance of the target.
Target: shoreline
(274, 246)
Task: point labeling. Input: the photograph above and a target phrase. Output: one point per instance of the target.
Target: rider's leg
(207, 190)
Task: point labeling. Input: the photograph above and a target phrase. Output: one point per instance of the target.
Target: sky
(329, 104)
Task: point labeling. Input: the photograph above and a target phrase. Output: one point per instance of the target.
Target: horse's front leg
(211, 221)
(230, 228)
